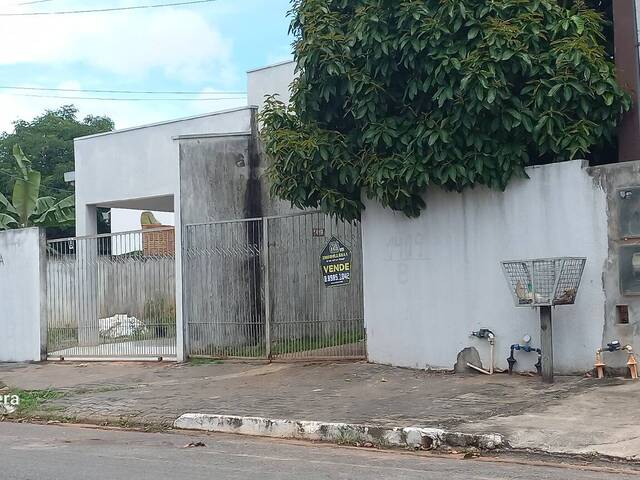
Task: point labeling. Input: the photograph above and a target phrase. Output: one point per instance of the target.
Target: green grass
(61, 338)
(31, 401)
(213, 352)
(295, 345)
(306, 344)
(198, 361)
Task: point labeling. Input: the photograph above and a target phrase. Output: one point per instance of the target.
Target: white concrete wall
(274, 79)
(22, 291)
(430, 281)
(140, 162)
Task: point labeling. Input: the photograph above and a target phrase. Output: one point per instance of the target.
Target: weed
(197, 361)
(31, 401)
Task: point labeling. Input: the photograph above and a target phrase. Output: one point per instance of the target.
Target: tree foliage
(48, 141)
(27, 208)
(396, 96)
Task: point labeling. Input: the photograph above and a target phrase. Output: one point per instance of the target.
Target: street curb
(340, 433)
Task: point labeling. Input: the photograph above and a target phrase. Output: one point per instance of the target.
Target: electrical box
(630, 269)
(629, 212)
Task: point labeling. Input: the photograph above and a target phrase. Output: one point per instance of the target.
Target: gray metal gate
(112, 296)
(254, 289)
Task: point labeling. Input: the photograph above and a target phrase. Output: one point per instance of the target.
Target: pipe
(616, 346)
(525, 348)
(481, 370)
(491, 338)
(492, 343)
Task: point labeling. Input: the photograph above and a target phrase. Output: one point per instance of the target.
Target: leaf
(24, 164)
(58, 214)
(25, 196)
(7, 204)
(579, 23)
(43, 204)
(7, 222)
(554, 90)
(608, 99)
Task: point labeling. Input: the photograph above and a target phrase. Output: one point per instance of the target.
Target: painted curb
(343, 433)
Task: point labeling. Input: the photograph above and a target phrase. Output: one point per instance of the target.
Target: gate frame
(179, 324)
(264, 265)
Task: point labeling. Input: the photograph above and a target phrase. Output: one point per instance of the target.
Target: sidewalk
(575, 415)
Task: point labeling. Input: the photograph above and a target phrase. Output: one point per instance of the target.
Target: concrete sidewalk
(575, 415)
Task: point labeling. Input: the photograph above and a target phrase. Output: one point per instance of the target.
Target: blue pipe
(525, 348)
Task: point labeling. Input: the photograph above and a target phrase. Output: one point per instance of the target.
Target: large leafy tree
(396, 96)
(47, 141)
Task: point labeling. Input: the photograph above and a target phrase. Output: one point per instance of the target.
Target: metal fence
(112, 296)
(255, 289)
(223, 289)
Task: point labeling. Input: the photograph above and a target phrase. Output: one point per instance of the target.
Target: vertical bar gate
(255, 289)
(112, 296)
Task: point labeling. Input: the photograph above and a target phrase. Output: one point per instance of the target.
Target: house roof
(166, 122)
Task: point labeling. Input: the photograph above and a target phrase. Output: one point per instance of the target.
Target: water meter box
(629, 267)
(629, 212)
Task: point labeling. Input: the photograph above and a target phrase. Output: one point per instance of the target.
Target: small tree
(27, 208)
(396, 96)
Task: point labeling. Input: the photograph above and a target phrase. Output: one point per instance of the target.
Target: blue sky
(201, 48)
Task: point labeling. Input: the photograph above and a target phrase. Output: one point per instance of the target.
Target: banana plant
(26, 207)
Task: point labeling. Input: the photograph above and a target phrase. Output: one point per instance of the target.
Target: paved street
(34, 451)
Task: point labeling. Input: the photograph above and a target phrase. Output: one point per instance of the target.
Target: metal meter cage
(544, 281)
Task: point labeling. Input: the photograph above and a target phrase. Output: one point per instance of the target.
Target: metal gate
(112, 296)
(255, 289)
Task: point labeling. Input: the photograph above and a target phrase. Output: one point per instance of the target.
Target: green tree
(396, 96)
(27, 208)
(48, 141)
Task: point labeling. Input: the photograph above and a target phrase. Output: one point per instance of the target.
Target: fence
(255, 289)
(109, 296)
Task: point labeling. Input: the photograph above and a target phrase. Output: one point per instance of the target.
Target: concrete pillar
(86, 307)
(628, 75)
(182, 335)
(23, 295)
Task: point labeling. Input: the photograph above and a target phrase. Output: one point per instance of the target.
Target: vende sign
(335, 262)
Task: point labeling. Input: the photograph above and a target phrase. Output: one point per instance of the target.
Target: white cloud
(178, 43)
(126, 50)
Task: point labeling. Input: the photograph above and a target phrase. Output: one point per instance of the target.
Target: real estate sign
(335, 262)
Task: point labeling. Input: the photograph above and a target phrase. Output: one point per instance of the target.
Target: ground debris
(194, 445)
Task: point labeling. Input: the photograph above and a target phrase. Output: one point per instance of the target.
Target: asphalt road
(63, 452)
